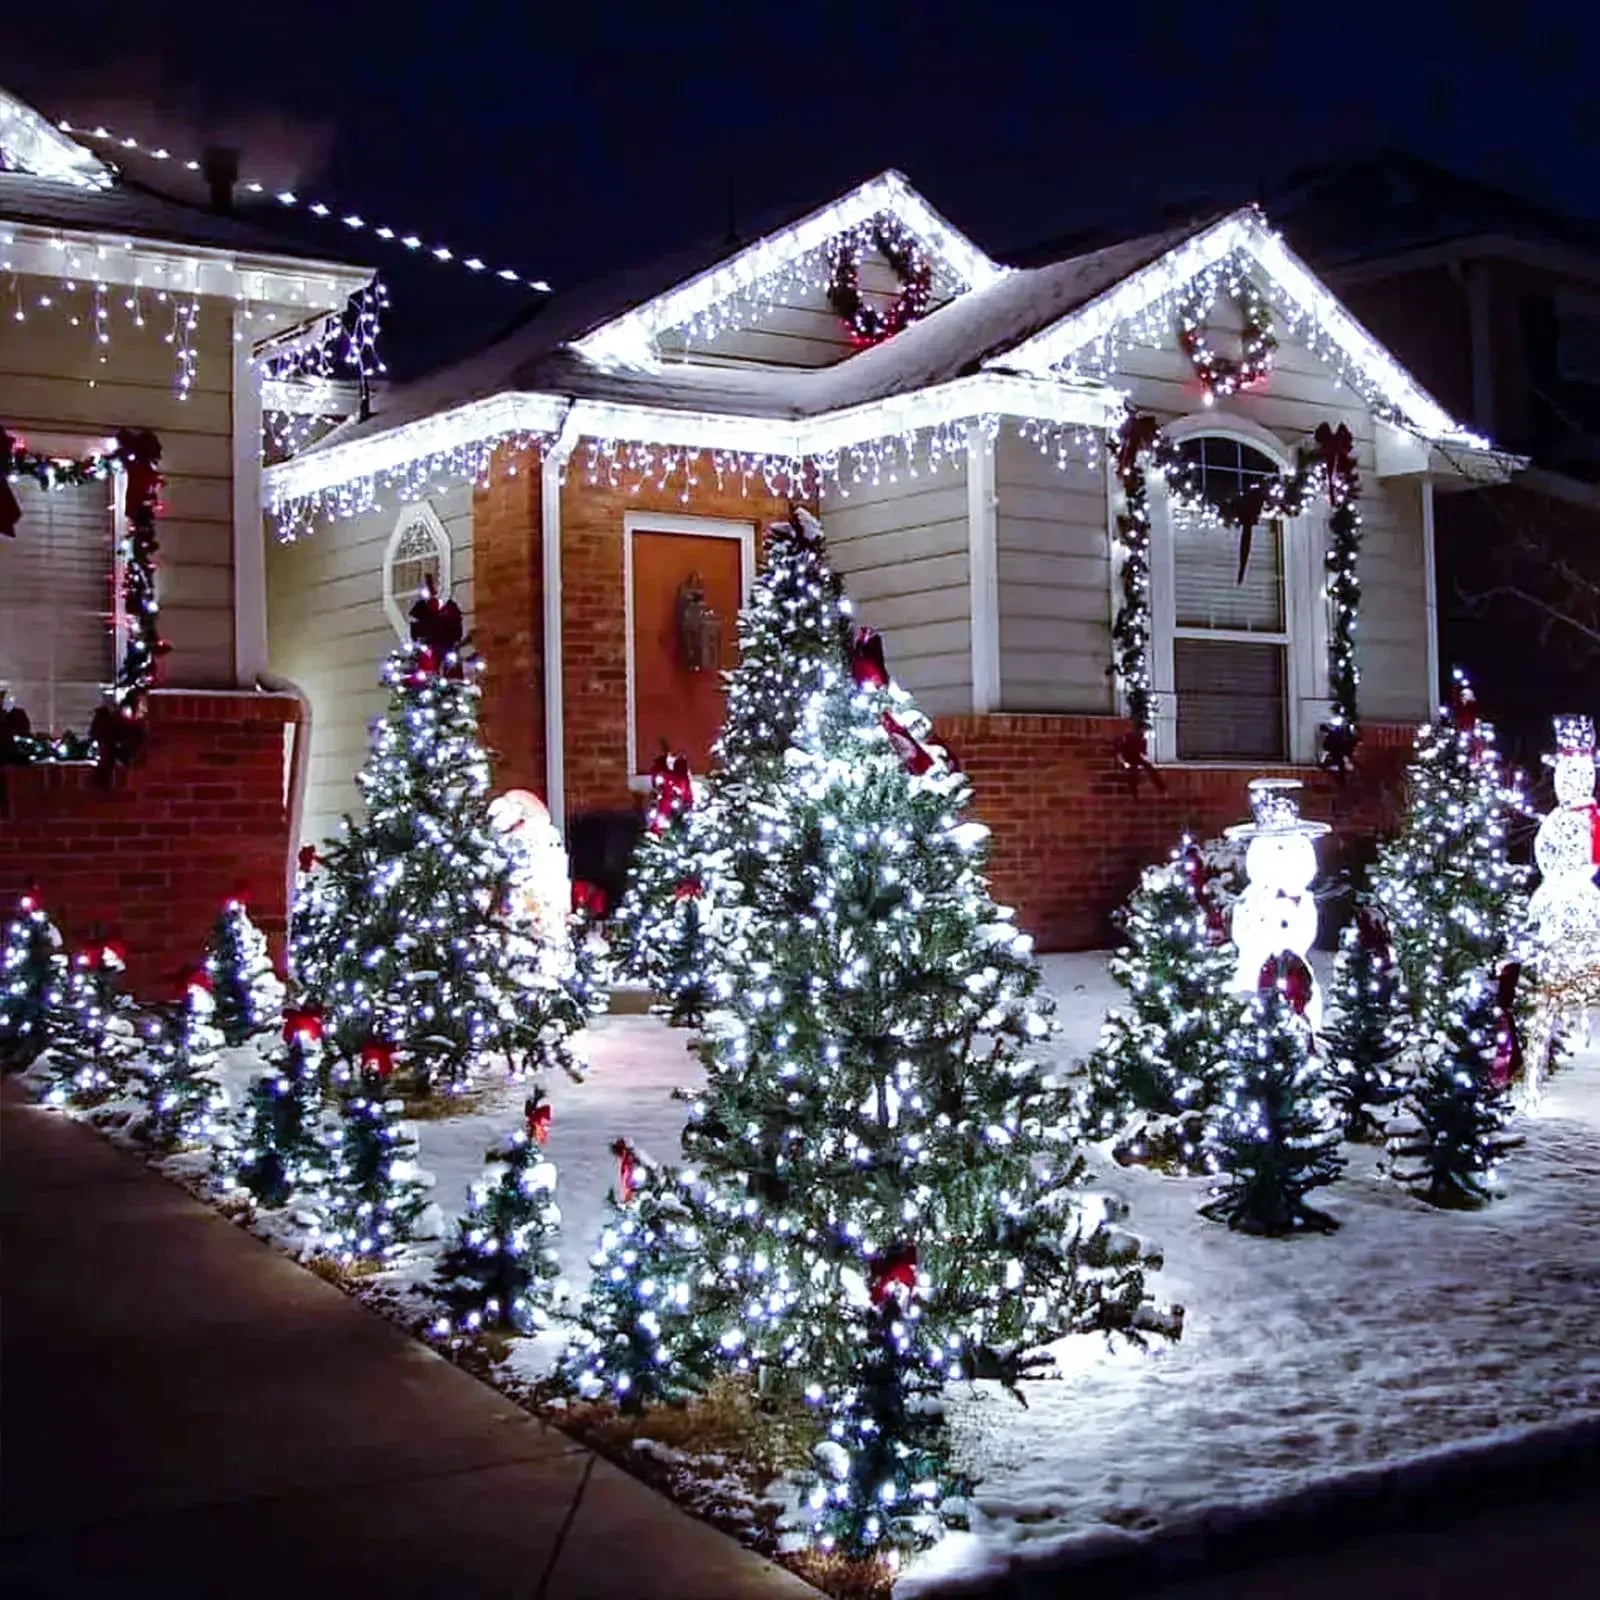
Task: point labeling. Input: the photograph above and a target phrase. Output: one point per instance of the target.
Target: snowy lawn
(1301, 1359)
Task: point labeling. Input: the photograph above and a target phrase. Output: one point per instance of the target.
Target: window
(1238, 665)
(419, 548)
(57, 604)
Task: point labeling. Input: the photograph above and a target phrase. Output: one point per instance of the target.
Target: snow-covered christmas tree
(1162, 1058)
(1366, 1028)
(249, 995)
(32, 983)
(94, 1040)
(182, 1093)
(1453, 900)
(279, 1151)
(1277, 1137)
(403, 935)
(375, 1197)
(1447, 1150)
(499, 1272)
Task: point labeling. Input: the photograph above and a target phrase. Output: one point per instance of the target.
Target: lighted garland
(116, 731)
(1219, 374)
(897, 246)
(1327, 467)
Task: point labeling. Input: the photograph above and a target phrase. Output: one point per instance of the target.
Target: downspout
(550, 471)
(299, 773)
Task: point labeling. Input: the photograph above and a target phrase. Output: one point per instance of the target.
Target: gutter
(551, 468)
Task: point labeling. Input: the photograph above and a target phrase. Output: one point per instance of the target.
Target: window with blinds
(57, 645)
(1231, 637)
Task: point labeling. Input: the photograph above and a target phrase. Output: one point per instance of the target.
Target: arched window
(419, 548)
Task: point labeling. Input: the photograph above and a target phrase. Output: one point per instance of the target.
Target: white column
(981, 569)
(249, 524)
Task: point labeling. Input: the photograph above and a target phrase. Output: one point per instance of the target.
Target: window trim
(419, 514)
(1305, 609)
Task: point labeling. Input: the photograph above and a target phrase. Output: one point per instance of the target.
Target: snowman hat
(1574, 737)
(1276, 812)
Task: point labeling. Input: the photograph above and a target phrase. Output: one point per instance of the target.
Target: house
(949, 419)
(128, 315)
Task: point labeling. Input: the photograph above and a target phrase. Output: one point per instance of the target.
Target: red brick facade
(151, 858)
(1070, 837)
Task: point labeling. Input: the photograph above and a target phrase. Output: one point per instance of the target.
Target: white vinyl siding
(328, 631)
(901, 546)
(57, 596)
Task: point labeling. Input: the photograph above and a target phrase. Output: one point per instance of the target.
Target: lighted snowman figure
(1277, 911)
(540, 889)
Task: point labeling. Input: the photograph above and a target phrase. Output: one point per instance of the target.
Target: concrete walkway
(186, 1412)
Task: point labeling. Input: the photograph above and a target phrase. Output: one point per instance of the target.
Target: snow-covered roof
(30, 143)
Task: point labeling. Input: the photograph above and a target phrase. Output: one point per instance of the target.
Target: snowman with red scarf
(1565, 908)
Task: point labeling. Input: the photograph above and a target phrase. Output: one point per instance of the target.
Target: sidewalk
(185, 1412)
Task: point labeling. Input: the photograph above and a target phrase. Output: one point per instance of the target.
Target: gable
(30, 144)
(767, 303)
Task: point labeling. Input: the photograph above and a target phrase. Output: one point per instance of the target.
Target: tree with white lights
(1276, 1138)
(889, 1172)
(94, 1040)
(1452, 898)
(32, 983)
(279, 1151)
(178, 1083)
(402, 935)
(1458, 1105)
(500, 1270)
(1163, 1055)
(249, 995)
(1366, 1030)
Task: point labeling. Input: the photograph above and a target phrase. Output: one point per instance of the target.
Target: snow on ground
(1301, 1359)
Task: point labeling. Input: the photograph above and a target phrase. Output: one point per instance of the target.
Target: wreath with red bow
(867, 324)
(1220, 374)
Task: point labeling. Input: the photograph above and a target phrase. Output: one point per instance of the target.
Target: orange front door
(673, 703)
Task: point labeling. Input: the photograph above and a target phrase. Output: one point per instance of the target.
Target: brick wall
(1070, 838)
(152, 857)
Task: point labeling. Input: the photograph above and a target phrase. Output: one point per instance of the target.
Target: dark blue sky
(574, 138)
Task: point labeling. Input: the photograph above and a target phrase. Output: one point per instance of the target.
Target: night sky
(566, 141)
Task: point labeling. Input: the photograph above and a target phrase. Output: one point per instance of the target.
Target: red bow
(689, 889)
(10, 510)
(377, 1057)
(895, 1270)
(1288, 973)
(1339, 741)
(1338, 452)
(307, 857)
(674, 789)
(139, 451)
(913, 757)
(305, 1023)
(588, 899)
(1463, 703)
(627, 1170)
(538, 1115)
(436, 625)
(1199, 875)
(868, 669)
(1131, 750)
(1508, 1043)
(1134, 437)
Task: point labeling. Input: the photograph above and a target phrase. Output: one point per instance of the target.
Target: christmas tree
(402, 936)
(658, 1305)
(871, 1117)
(499, 1271)
(375, 1197)
(661, 926)
(280, 1151)
(1162, 1059)
(1366, 1032)
(184, 1102)
(94, 1040)
(249, 997)
(1451, 897)
(1276, 1139)
(32, 983)
(1458, 1103)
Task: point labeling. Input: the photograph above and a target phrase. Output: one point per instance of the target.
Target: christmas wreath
(1219, 374)
(868, 325)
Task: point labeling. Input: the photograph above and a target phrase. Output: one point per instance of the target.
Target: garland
(1326, 466)
(897, 246)
(1219, 374)
(116, 731)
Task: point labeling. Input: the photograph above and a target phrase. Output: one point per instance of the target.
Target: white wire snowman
(1277, 911)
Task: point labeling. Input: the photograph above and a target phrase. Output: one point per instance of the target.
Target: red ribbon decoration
(627, 1170)
(538, 1115)
(1338, 452)
(1132, 752)
(436, 625)
(1135, 436)
(1289, 974)
(913, 756)
(897, 1269)
(868, 670)
(139, 451)
(306, 1022)
(10, 509)
(377, 1057)
(198, 978)
(307, 857)
(588, 899)
(1508, 1043)
(1199, 875)
(674, 789)
(689, 889)
(1248, 507)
